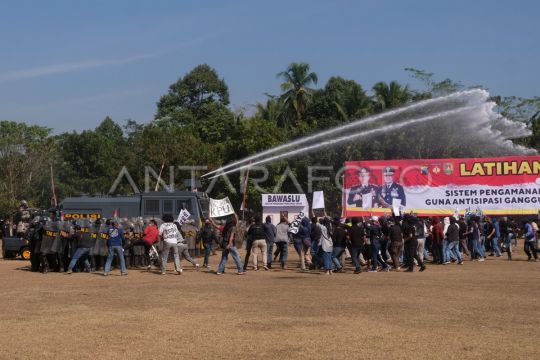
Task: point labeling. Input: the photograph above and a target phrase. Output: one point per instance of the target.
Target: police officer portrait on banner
(364, 195)
(391, 194)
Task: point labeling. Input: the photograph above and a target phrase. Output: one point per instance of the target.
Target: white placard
(295, 225)
(183, 216)
(220, 207)
(318, 200)
(367, 200)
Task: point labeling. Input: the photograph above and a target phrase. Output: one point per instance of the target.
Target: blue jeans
(327, 260)
(316, 260)
(336, 256)
(453, 250)
(269, 252)
(445, 253)
(120, 253)
(478, 248)
(79, 253)
(355, 253)
(207, 253)
(283, 252)
(376, 258)
(236, 257)
(495, 246)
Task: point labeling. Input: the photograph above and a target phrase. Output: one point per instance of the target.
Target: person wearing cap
(390, 190)
(358, 193)
(375, 235)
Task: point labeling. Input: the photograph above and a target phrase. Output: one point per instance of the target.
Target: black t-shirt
(409, 232)
(338, 237)
(356, 235)
(375, 233)
(395, 233)
(256, 231)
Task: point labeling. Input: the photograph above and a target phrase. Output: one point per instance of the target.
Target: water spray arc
(350, 137)
(475, 95)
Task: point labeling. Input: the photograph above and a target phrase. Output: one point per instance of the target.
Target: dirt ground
(483, 310)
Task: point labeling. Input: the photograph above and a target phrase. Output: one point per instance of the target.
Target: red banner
(493, 186)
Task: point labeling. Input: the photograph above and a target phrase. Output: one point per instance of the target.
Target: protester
(395, 233)
(463, 236)
(248, 243)
(494, 237)
(339, 239)
(315, 236)
(83, 246)
(258, 235)
(208, 237)
(270, 237)
(115, 243)
(452, 234)
(229, 246)
(437, 237)
(282, 241)
(411, 244)
(170, 235)
(150, 237)
(529, 245)
(326, 245)
(421, 232)
(302, 242)
(183, 248)
(357, 235)
(375, 234)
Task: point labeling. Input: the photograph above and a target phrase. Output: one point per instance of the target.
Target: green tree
(200, 86)
(198, 103)
(296, 91)
(387, 96)
(26, 153)
(92, 159)
(339, 101)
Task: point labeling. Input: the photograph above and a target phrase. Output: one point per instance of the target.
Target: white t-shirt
(170, 232)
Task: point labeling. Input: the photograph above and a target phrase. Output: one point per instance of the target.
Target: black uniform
(411, 245)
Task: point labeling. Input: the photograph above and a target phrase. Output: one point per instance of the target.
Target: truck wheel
(25, 253)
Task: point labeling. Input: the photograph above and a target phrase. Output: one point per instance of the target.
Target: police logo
(424, 170)
(436, 170)
(448, 168)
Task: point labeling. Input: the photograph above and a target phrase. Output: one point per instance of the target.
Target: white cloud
(68, 67)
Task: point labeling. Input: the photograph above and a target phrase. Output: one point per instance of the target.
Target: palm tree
(391, 95)
(296, 93)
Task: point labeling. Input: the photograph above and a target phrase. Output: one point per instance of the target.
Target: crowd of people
(322, 244)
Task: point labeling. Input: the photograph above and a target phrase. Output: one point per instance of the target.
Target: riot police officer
(35, 234)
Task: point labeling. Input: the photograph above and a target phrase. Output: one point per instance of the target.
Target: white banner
(220, 207)
(318, 200)
(183, 216)
(284, 200)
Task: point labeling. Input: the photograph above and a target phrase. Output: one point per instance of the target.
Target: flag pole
(245, 192)
(54, 200)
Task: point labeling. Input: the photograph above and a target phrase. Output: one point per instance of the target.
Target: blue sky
(68, 64)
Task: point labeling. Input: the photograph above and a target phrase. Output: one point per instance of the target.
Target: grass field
(483, 310)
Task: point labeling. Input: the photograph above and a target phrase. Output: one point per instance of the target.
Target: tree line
(194, 125)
